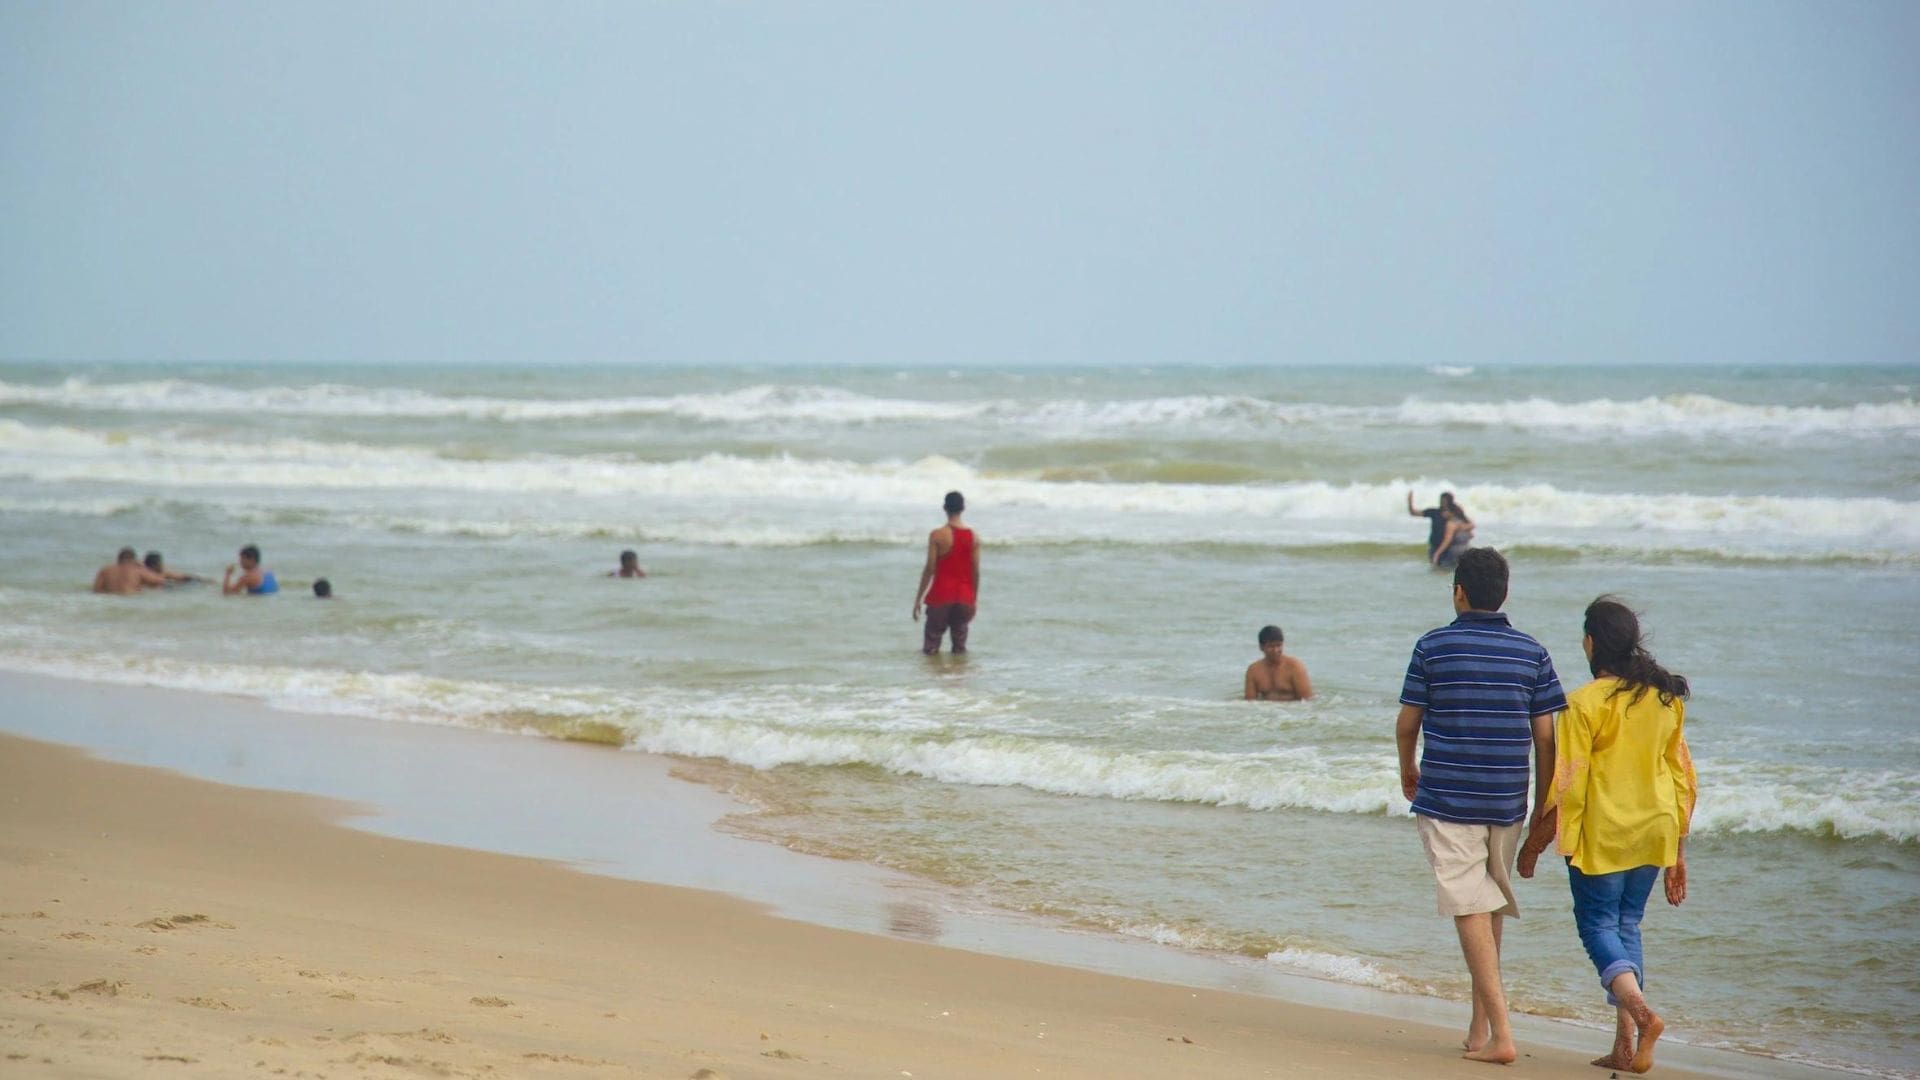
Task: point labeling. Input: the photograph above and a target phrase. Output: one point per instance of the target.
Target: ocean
(1089, 762)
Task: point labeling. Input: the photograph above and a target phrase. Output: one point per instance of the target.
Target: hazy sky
(903, 183)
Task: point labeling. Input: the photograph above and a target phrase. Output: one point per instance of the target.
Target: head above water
(955, 503)
(1615, 645)
(1271, 635)
(250, 556)
(154, 562)
(629, 559)
(322, 588)
(127, 555)
(1480, 580)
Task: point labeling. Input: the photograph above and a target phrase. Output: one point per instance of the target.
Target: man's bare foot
(1495, 1053)
(1619, 1059)
(1649, 1034)
(1476, 1038)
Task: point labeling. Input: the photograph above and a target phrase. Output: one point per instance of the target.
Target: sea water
(1090, 761)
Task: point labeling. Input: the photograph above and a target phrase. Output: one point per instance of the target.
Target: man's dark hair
(322, 588)
(1270, 633)
(955, 503)
(629, 557)
(1482, 573)
(250, 552)
(127, 555)
(154, 561)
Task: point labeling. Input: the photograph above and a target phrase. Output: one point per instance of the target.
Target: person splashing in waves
(1620, 808)
(950, 582)
(629, 565)
(1449, 532)
(1276, 676)
(158, 564)
(125, 576)
(254, 579)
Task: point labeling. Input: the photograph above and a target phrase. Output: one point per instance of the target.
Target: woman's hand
(1676, 882)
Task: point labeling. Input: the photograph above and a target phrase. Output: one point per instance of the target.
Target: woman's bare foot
(1650, 1030)
(1495, 1052)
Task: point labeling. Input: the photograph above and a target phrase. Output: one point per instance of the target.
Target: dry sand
(154, 925)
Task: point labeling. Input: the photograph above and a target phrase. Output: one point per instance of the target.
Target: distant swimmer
(629, 566)
(322, 589)
(158, 565)
(254, 579)
(950, 582)
(1449, 532)
(125, 576)
(1277, 676)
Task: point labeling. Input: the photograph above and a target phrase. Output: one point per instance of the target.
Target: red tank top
(953, 574)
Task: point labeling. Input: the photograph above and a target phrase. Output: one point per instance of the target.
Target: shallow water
(1089, 761)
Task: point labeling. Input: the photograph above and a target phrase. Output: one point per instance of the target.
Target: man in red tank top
(953, 572)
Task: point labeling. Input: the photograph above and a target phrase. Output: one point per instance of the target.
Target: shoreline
(884, 911)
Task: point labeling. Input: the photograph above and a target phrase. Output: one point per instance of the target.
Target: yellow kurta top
(1622, 779)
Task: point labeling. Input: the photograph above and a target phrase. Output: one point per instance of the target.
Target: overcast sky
(902, 183)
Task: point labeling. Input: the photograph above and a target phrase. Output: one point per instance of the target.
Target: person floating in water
(158, 565)
(1450, 532)
(629, 565)
(125, 576)
(322, 589)
(953, 572)
(1277, 676)
(254, 579)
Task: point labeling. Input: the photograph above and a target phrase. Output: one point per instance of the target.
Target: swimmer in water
(629, 566)
(125, 576)
(254, 579)
(1276, 676)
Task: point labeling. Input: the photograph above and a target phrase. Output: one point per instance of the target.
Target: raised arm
(1410, 508)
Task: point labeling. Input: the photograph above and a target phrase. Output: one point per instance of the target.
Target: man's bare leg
(1478, 1029)
(1621, 1057)
(1479, 945)
(1647, 1025)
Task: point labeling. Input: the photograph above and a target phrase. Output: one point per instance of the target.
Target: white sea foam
(1449, 371)
(1759, 525)
(1678, 414)
(981, 743)
(1336, 968)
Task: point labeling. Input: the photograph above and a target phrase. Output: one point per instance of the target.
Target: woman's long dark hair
(1619, 648)
(1448, 505)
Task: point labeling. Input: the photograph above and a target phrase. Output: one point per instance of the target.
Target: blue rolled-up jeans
(1607, 909)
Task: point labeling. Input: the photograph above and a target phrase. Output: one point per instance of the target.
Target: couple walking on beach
(1614, 786)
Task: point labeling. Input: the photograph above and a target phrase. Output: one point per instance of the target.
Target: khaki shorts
(1471, 865)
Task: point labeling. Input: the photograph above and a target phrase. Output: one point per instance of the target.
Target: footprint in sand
(489, 1002)
(175, 922)
(208, 1003)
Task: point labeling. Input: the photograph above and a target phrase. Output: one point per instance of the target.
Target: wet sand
(148, 916)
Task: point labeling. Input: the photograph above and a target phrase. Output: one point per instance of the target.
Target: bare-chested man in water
(126, 576)
(1277, 676)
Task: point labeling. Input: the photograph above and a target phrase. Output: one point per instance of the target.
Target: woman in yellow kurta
(1623, 793)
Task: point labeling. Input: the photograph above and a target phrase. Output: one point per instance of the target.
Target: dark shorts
(943, 619)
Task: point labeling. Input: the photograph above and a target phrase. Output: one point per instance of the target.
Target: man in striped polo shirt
(1484, 695)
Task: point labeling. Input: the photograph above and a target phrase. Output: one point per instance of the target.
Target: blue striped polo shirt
(1481, 682)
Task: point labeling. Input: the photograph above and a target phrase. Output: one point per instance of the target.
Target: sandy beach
(153, 924)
